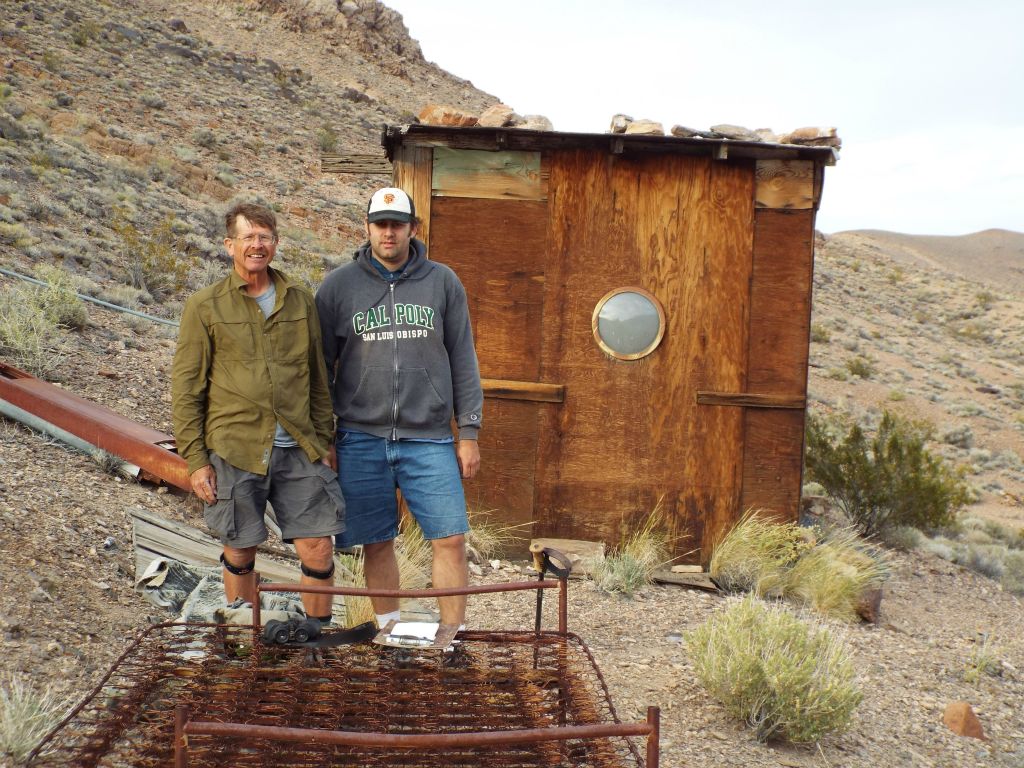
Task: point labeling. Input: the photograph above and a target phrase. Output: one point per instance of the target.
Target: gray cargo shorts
(306, 499)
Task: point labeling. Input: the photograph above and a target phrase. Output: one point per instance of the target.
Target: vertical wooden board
(499, 175)
(780, 302)
(508, 450)
(497, 248)
(780, 319)
(413, 167)
(679, 227)
(772, 462)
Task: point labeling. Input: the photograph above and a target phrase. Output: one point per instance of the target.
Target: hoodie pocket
(420, 405)
(371, 402)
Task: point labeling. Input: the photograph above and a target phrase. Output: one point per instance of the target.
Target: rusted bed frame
(210, 694)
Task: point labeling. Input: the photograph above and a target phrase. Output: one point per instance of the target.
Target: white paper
(418, 629)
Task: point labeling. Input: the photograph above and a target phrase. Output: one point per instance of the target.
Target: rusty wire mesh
(495, 681)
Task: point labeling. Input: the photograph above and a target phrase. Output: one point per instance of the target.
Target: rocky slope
(119, 117)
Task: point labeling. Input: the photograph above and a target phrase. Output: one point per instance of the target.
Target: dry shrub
(487, 539)
(753, 556)
(631, 566)
(771, 559)
(25, 717)
(29, 336)
(788, 678)
(414, 555)
(832, 577)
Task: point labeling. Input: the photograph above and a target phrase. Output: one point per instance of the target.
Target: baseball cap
(391, 204)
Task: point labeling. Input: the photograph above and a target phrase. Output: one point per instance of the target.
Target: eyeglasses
(261, 238)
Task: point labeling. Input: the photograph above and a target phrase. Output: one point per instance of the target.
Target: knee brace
(238, 570)
(322, 575)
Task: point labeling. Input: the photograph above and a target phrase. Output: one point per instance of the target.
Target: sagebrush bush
(1012, 579)
(25, 717)
(902, 537)
(59, 299)
(29, 336)
(887, 480)
(788, 678)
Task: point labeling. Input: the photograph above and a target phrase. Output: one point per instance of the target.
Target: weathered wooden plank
(780, 316)
(154, 536)
(696, 580)
(498, 249)
(749, 400)
(504, 487)
(514, 139)
(494, 175)
(786, 184)
(780, 301)
(412, 172)
(772, 462)
(523, 390)
(631, 432)
(369, 165)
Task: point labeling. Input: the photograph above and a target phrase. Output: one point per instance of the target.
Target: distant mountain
(994, 256)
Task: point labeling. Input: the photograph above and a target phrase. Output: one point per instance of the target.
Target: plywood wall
(631, 433)
(538, 239)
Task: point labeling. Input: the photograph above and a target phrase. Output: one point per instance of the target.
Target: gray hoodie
(400, 355)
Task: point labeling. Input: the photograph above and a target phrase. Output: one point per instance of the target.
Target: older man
(399, 347)
(252, 412)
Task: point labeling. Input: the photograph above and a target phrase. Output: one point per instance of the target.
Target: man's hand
(204, 483)
(331, 459)
(468, 454)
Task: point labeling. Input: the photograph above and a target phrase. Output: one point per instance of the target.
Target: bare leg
(239, 586)
(450, 571)
(381, 568)
(316, 555)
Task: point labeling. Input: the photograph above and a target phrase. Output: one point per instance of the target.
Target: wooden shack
(703, 406)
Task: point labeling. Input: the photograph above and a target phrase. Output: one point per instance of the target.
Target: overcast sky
(928, 97)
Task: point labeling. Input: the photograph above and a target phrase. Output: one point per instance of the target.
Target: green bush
(887, 480)
(787, 678)
(860, 367)
(156, 262)
(59, 299)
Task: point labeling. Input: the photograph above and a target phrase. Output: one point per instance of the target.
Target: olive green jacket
(237, 374)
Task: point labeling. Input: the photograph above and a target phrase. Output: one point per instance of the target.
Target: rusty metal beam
(147, 448)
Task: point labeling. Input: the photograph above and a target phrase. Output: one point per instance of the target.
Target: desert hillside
(994, 257)
(126, 128)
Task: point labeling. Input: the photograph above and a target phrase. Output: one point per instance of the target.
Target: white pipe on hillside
(32, 421)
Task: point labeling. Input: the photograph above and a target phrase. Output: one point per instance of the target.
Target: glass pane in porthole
(628, 323)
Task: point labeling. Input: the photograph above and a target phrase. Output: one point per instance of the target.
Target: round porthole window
(628, 323)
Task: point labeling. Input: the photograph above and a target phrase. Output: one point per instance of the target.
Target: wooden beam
(488, 175)
(412, 172)
(154, 536)
(370, 165)
(748, 400)
(786, 184)
(536, 391)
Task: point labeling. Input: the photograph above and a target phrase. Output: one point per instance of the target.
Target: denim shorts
(304, 495)
(370, 468)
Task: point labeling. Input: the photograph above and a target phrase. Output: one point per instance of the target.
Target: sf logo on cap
(389, 199)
